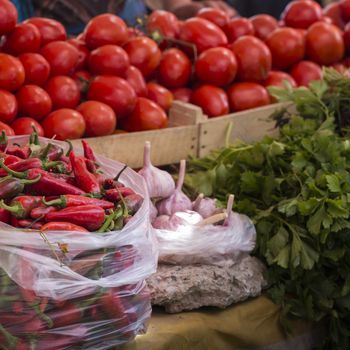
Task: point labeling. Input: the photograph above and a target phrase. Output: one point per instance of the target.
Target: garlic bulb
(153, 212)
(161, 222)
(177, 220)
(160, 184)
(205, 206)
(178, 201)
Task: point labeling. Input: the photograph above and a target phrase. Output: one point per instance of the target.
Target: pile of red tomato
(114, 77)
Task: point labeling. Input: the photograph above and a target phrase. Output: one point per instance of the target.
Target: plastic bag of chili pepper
(72, 261)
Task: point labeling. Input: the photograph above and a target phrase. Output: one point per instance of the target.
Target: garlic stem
(230, 201)
(213, 219)
(182, 173)
(198, 200)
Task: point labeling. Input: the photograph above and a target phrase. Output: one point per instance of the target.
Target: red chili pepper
(62, 226)
(89, 216)
(21, 152)
(8, 159)
(115, 194)
(51, 152)
(23, 165)
(3, 141)
(111, 183)
(41, 211)
(11, 187)
(5, 216)
(90, 158)
(71, 200)
(21, 206)
(85, 179)
(23, 223)
(65, 316)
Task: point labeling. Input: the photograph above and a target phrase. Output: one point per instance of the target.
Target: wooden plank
(247, 126)
(182, 114)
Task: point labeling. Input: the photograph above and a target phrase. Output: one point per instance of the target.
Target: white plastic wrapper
(209, 244)
(102, 276)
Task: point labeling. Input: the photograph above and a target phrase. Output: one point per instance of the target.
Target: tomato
(214, 15)
(182, 94)
(106, 29)
(100, 119)
(66, 124)
(211, 99)
(263, 25)
(37, 69)
(202, 33)
(115, 92)
(175, 69)
(62, 57)
(324, 43)
(163, 22)
(11, 72)
(8, 106)
(287, 47)
(135, 78)
(333, 11)
(144, 54)
(50, 29)
(64, 92)
(24, 38)
(244, 96)
(276, 78)
(238, 27)
(109, 60)
(306, 71)
(83, 53)
(33, 101)
(345, 9)
(253, 57)
(82, 79)
(8, 130)
(160, 95)
(8, 16)
(347, 37)
(147, 115)
(25, 126)
(302, 14)
(216, 66)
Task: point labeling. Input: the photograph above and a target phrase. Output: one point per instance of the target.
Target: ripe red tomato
(287, 47)
(24, 126)
(333, 11)
(100, 119)
(306, 71)
(135, 78)
(24, 38)
(8, 106)
(164, 22)
(8, 16)
(175, 69)
(50, 29)
(202, 33)
(147, 115)
(347, 37)
(302, 13)
(216, 66)
(160, 95)
(82, 79)
(109, 60)
(253, 57)
(105, 29)
(182, 94)
(62, 57)
(83, 53)
(211, 99)
(263, 25)
(114, 92)
(214, 15)
(238, 27)
(276, 78)
(37, 69)
(33, 101)
(66, 124)
(8, 130)
(324, 43)
(144, 54)
(11, 72)
(345, 9)
(64, 92)
(244, 96)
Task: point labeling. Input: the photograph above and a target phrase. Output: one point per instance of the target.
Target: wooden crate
(170, 145)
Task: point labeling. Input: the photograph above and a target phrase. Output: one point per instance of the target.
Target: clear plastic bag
(45, 276)
(210, 244)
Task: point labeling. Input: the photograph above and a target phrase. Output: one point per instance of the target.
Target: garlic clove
(161, 222)
(160, 183)
(205, 206)
(153, 212)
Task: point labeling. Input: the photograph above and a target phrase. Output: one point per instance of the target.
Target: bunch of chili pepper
(44, 187)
